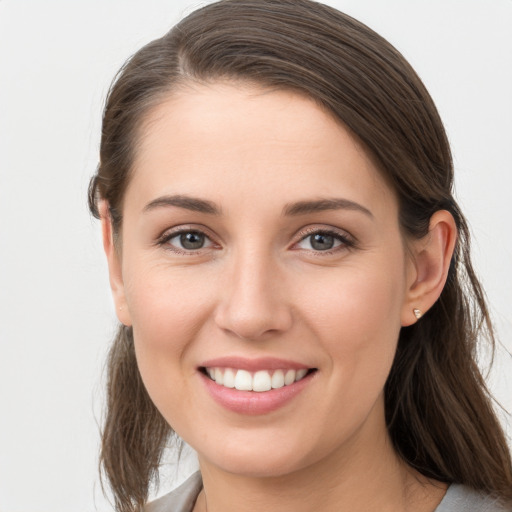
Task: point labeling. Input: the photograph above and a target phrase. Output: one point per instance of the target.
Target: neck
(364, 474)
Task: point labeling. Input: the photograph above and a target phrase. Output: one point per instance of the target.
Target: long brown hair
(438, 410)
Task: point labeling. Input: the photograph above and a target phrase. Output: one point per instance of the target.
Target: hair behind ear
(438, 409)
(134, 433)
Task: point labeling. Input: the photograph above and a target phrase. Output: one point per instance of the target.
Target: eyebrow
(321, 205)
(187, 202)
(293, 209)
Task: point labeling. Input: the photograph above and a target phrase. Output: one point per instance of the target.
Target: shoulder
(181, 499)
(460, 498)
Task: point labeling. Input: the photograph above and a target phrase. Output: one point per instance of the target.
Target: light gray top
(458, 498)
(182, 499)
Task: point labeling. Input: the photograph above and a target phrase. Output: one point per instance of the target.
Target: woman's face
(261, 245)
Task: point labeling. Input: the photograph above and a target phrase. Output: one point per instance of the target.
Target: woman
(291, 273)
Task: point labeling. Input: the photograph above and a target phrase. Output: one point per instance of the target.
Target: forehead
(227, 140)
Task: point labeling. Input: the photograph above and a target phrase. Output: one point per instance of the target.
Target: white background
(56, 317)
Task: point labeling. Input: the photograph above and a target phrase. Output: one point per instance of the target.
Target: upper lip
(253, 365)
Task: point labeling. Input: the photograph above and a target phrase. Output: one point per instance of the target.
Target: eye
(324, 240)
(186, 240)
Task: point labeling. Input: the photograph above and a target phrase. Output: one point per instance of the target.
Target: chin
(259, 467)
(261, 459)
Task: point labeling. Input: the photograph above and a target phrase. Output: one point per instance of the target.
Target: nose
(253, 304)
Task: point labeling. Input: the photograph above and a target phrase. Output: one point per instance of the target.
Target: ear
(430, 262)
(114, 265)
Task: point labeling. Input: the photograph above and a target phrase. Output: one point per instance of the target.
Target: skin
(259, 288)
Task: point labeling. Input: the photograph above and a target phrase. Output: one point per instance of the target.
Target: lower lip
(253, 402)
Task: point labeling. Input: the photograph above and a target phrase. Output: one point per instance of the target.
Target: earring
(417, 313)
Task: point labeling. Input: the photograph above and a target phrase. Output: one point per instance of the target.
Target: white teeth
(243, 380)
(260, 381)
(278, 379)
(300, 374)
(219, 376)
(289, 377)
(229, 378)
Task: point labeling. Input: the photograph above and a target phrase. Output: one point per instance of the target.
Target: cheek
(166, 304)
(167, 309)
(356, 300)
(356, 317)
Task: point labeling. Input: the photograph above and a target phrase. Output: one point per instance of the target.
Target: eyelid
(175, 231)
(347, 240)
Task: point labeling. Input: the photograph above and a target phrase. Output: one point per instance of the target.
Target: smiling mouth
(259, 381)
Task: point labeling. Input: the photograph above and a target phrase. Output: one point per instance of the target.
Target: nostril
(252, 313)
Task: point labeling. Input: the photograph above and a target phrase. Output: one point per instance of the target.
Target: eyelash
(347, 242)
(167, 237)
